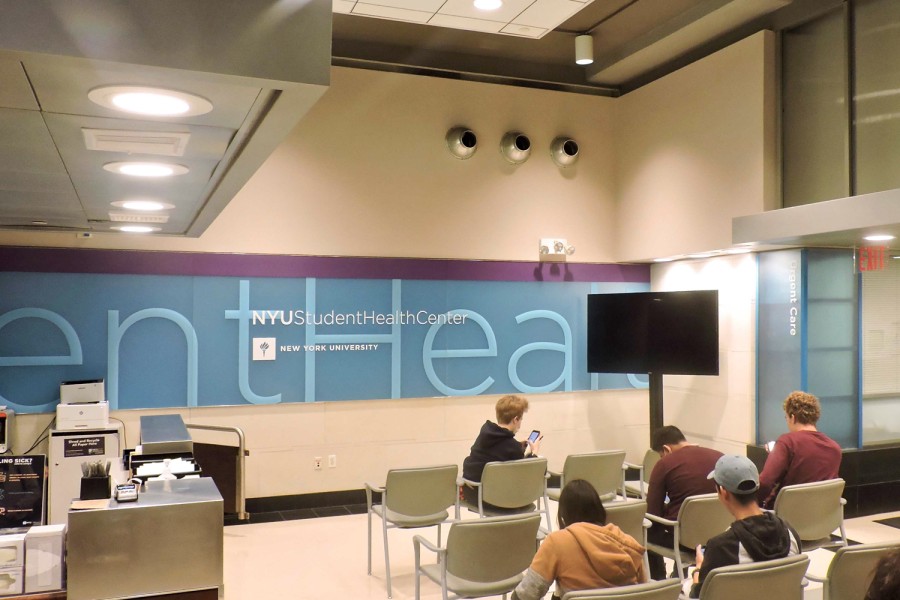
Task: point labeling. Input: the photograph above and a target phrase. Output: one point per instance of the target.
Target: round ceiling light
(488, 4)
(146, 169)
(136, 228)
(142, 205)
(148, 101)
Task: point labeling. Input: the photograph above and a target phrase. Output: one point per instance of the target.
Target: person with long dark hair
(886, 580)
(585, 553)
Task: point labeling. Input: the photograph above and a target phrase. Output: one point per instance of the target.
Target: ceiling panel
(25, 144)
(15, 91)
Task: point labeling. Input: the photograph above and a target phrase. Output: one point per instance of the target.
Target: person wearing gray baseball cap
(754, 536)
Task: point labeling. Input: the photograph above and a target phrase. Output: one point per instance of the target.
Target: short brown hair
(510, 407)
(803, 407)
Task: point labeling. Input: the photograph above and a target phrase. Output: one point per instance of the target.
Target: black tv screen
(673, 333)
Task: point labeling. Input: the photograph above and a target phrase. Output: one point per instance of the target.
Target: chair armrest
(370, 487)
(646, 524)
(629, 465)
(418, 539)
(468, 482)
(661, 521)
(814, 577)
(554, 473)
(843, 501)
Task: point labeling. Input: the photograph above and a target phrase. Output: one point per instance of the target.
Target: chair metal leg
(387, 558)
(369, 516)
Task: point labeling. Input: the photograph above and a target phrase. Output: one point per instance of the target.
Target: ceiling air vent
(133, 218)
(158, 143)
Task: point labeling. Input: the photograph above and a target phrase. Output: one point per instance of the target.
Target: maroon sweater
(798, 457)
(680, 474)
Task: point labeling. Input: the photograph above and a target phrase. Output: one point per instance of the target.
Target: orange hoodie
(584, 556)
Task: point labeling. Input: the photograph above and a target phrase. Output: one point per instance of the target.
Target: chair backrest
(492, 549)
(421, 491)
(666, 589)
(780, 579)
(514, 483)
(628, 516)
(650, 459)
(700, 518)
(814, 510)
(603, 470)
(851, 570)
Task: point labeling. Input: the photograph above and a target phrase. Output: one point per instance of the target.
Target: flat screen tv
(673, 333)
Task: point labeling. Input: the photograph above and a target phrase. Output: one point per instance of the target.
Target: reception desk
(168, 542)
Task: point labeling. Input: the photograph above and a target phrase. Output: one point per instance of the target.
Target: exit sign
(871, 258)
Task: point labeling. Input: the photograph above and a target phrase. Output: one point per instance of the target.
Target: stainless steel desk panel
(170, 540)
(165, 434)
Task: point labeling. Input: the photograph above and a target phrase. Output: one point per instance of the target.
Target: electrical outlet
(332, 461)
(317, 463)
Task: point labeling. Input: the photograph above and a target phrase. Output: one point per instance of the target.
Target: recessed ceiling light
(136, 228)
(142, 205)
(153, 102)
(39, 222)
(878, 238)
(146, 169)
(488, 4)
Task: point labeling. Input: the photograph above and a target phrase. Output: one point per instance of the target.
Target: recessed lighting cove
(136, 229)
(142, 205)
(146, 169)
(878, 238)
(153, 102)
(488, 4)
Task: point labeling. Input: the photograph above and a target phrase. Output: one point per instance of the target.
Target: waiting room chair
(699, 518)
(412, 498)
(630, 517)
(779, 579)
(483, 557)
(850, 571)
(814, 510)
(604, 470)
(667, 589)
(511, 487)
(638, 487)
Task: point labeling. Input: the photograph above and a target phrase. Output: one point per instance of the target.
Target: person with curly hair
(803, 454)
(886, 579)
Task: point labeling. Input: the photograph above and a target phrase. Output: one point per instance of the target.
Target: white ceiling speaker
(515, 147)
(564, 151)
(462, 142)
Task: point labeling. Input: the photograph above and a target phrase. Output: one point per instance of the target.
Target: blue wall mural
(169, 335)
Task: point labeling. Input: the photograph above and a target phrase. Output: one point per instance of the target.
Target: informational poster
(22, 490)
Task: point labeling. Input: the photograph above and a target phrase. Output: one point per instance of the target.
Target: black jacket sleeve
(721, 551)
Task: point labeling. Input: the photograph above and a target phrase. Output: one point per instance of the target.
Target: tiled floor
(324, 558)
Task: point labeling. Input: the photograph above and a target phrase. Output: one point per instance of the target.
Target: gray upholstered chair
(412, 498)
(850, 571)
(780, 579)
(699, 518)
(667, 589)
(630, 516)
(638, 487)
(511, 487)
(604, 470)
(483, 557)
(814, 510)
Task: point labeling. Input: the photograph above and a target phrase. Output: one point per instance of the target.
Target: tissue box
(44, 547)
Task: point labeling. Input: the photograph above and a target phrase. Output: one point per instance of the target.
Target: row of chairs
(421, 497)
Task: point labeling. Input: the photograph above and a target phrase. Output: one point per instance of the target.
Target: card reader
(126, 492)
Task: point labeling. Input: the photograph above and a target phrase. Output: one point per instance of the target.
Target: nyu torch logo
(264, 348)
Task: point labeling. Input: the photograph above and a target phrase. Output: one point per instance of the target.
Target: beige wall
(367, 174)
(695, 149)
(717, 411)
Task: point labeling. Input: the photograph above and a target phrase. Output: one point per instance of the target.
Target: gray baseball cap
(737, 474)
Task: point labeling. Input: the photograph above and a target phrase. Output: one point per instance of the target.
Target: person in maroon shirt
(682, 471)
(802, 455)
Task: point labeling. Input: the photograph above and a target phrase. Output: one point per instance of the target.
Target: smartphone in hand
(533, 437)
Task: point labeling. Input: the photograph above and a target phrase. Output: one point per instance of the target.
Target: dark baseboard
(306, 501)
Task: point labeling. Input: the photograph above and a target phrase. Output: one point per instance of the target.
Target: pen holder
(94, 488)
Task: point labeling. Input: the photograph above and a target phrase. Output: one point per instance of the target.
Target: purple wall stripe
(137, 262)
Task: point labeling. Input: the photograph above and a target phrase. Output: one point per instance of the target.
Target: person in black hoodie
(497, 442)
(754, 536)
